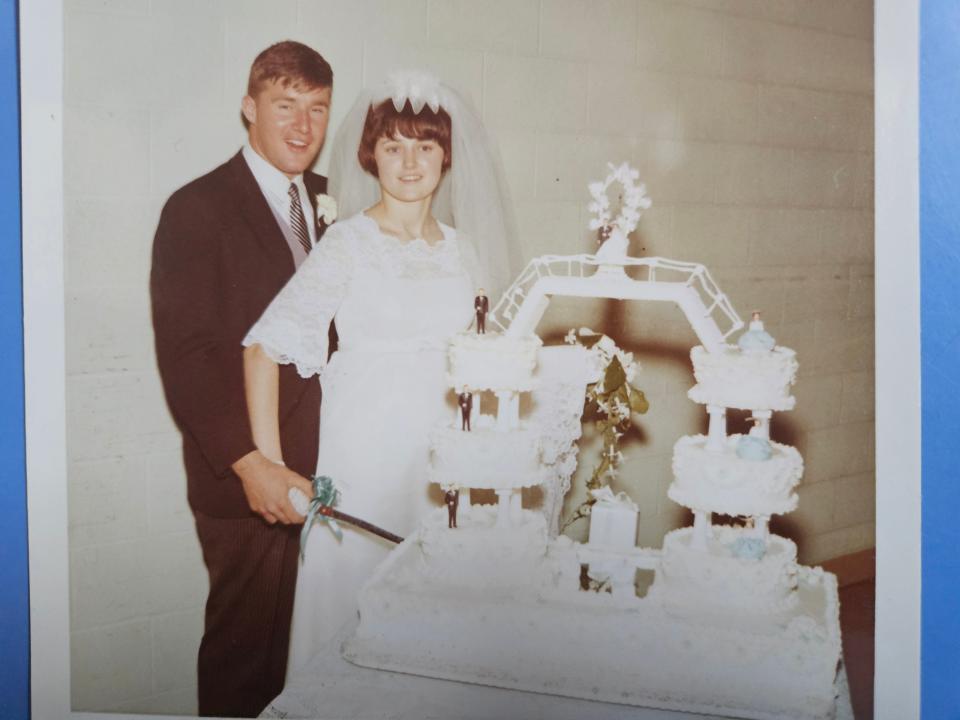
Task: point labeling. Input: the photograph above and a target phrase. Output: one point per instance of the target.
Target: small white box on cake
(613, 520)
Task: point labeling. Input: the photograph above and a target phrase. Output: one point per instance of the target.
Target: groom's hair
(385, 121)
(290, 63)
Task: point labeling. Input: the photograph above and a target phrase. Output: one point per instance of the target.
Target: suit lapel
(259, 217)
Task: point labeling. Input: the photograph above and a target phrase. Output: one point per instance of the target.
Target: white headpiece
(472, 196)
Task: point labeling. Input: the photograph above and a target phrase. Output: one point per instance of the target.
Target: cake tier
(561, 640)
(688, 575)
(719, 481)
(485, 457)
(477, 553)
(492, 362)
(745, 380)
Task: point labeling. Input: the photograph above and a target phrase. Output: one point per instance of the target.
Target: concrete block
(178, 578)
(817, 549)
(819, 403)
(567, 163)
(107, 240)
(252, 27)
(677, 38)
(845, 345)
(596, 31)
(166, 480)
(108, 328)
(824, 455)
(863, 180)
(823, 179)
(840, 63)
(549, 227)
(632, 102)
(815, 291)
(860, 301)
(785, 236)
(754, 175)
(186, 143)
(856, 500)
(187, 68)
(846, 236)
(106, 152)
(109, 584)
(109, 665)
(499, 26)
(714, 235)
(534, 94)
(682, 171)
(717, 110)
(754, 288)
(851, 17)
(117, 414)
(814, 512)
(518, 152)
(108, 501)
(176, 639)
(766, 51)
(116, 61)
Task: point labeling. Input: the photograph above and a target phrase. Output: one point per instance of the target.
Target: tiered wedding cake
(731, 625)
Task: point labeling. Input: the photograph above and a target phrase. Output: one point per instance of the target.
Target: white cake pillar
(516, 506)
(463, 502)
(503, 508)
(701, 530)
(762, 428)
(508, 410)
(761, 527)
(717, 432)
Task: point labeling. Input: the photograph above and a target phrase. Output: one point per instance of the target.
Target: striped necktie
(297, 222)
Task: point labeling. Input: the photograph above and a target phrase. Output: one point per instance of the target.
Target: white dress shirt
(274, 186)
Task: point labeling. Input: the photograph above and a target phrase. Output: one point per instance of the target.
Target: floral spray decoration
(615, 399)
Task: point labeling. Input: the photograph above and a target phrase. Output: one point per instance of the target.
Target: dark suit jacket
(219, 258)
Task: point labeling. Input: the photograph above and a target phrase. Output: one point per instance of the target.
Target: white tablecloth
(330, 688)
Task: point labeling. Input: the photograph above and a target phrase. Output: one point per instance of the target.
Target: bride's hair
(385, 121)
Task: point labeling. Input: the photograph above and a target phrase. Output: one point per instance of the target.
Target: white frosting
(478, 554)
(485, 457)
(492, 362)
(721, 482)
(543, 634)
(688, 575)
(745, 380)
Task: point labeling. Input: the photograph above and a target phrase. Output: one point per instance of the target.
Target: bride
(398, 282)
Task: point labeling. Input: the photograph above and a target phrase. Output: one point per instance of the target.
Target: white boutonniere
(326, 208)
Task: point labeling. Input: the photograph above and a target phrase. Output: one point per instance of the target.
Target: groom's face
(288, 124)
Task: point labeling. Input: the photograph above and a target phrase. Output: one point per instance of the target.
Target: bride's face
(408, 169)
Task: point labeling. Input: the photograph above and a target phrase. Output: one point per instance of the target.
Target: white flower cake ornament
(634, 199)
(326, 208)
(417, 87)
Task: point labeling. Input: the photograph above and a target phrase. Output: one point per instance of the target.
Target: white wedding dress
(396, 305)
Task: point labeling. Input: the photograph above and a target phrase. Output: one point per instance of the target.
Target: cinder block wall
(750, 122)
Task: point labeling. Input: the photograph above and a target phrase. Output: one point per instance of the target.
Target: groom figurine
(225, 245)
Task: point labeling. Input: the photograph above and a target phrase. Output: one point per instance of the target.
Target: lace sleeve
(294, 328)
(470, 262)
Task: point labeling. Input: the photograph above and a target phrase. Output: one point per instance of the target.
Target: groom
(226, 243)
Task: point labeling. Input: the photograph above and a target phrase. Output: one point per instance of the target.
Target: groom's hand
(267, 484)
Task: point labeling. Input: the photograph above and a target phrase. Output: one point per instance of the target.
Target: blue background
(940, 273)
(14, 604)
(940, 355)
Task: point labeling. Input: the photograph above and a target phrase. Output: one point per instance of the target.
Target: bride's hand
(267, 484)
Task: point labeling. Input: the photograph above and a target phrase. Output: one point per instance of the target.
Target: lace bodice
(387, 296)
